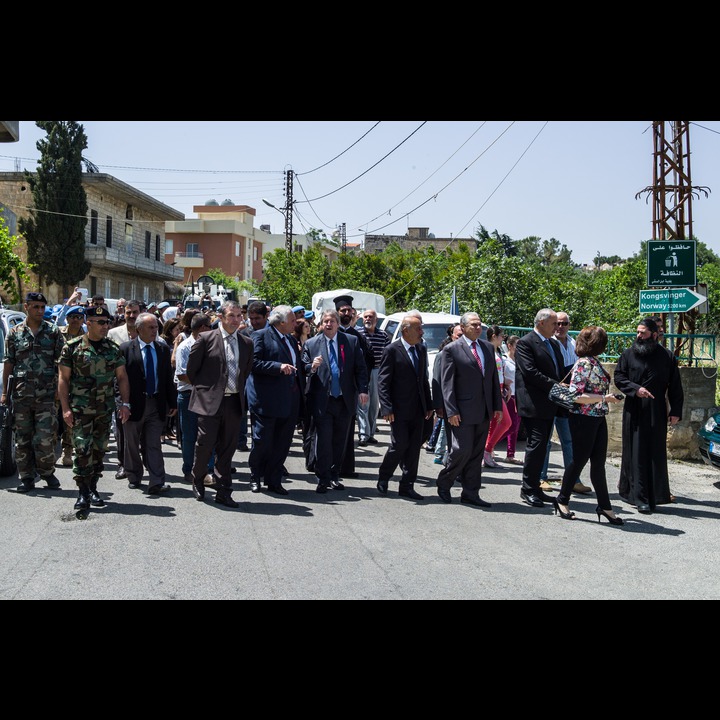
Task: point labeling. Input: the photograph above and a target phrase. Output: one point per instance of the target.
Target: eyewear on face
(100, 322)
(563, 323)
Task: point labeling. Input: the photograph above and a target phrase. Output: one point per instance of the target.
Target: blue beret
(48, 314)
(298, 308)
(309, 314)
(75, 310)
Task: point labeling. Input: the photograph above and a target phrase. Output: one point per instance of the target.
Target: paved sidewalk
(356, 544)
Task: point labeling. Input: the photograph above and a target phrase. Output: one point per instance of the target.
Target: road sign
(672, 263)
(676, 301)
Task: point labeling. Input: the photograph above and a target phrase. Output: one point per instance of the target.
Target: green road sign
(672, 263)
(676, 301)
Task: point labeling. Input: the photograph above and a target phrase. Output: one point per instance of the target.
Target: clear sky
(574, 181)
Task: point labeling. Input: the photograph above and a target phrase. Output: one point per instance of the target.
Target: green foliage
(55, 230)
(293, 278)
(230, 283)
(12, 269)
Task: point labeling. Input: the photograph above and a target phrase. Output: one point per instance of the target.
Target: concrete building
(416, 238)
(124, 239)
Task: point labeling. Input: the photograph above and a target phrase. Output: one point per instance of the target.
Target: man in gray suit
(471, 395)
(218, 366)
(336, 375)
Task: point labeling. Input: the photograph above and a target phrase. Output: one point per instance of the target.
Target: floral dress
(590, 377)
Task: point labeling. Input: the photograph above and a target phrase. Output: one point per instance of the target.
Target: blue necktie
(413, 355)
(149, 371)
(552, 354)
(335, 371)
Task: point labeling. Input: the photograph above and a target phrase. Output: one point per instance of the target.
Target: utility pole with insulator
(288, 210)
(343, 238)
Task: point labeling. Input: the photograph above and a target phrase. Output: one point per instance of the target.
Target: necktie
(231, 363)
(149, 371)
(473, 345)
(552, 354)
(413, 355)
(334, 370)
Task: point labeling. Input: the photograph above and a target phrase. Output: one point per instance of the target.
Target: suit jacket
(135, 368)
(401, 390)
(466, 390)
(269, 392)
(535, 374)
(353, 371)
(208, 372)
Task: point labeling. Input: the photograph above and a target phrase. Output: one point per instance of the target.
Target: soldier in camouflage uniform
(88, 366)
(32, 349)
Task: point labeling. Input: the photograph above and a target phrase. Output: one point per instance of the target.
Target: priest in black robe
(649, 377)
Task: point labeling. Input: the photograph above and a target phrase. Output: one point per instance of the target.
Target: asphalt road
(356, 544)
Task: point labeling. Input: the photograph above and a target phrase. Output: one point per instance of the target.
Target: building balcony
(117, 259)
(189, 260)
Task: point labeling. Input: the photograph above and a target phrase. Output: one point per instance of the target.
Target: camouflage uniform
(34, 359)
(92, 401)
(65, 430)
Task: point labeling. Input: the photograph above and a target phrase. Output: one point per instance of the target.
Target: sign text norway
(676, 301)
(671, 263)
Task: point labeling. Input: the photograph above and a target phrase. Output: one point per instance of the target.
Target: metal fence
(692, 350)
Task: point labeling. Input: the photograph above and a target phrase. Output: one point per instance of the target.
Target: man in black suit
(218, 366)
(336, 378)
(471, 396)
(256, 314)
(405, 402)
(539, 365)
(275, 396)
(153, 397)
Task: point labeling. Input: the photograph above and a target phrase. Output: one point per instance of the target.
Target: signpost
(672, 263)
(653, 302)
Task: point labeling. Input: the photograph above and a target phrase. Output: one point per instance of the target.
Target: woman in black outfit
(588, 424)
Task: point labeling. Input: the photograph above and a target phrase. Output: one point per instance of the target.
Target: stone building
(416, 238)
(124, 239)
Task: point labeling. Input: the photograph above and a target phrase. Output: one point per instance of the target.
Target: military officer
(32, 349)
(88, 366)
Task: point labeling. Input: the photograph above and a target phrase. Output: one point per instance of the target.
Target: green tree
(55, 230)
(12, 269)
(293, 278)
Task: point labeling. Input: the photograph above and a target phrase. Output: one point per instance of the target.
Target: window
(237, 248)
(147, 243)
(254, 254)
(108, 231)
(93, 227)
(192, 250)
(157, 248)
(128, 238)
(93, 285)
(168, 247)
(121, 289)
(129, 212)
(146, 294)
(108, 286)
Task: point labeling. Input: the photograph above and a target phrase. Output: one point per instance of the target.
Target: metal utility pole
(288, 210)
(343, 238)
(672, 192)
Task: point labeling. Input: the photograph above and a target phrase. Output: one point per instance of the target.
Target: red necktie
(473, 345)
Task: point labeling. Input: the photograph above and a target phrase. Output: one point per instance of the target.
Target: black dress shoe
(410, 493)
(158, 489)
(644, 508)
(278, 490)
(120, 474)
(227, 501)
(545, 497)
(444, 495)
(371, 441)
(255, 485)
(477, 502)
(198, 490)
(336, 485)
(321, 489)
(134, 485)
(531, 499)
(362, 443)
(382, 487)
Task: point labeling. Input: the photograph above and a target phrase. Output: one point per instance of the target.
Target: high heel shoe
(612, 520)
(563, 515)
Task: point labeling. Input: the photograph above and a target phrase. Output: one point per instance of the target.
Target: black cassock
(643, 471)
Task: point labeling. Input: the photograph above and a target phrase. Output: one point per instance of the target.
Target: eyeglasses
(563, 323)
(100, 322)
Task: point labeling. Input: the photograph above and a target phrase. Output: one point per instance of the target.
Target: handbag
(562, 395)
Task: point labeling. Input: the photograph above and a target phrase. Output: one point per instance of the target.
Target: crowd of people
(251, 377)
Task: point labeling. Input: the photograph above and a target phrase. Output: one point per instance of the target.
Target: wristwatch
(127, 405)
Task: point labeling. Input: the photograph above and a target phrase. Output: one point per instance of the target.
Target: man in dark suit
(539, 365)
(153, 397)
(471, 397)
(405, 402)
(218, 366)
(336, 378)
(275, 396)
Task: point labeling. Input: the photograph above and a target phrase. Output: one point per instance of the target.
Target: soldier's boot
(67, 459)
(82, 504)
(26, 485)
(95, 499)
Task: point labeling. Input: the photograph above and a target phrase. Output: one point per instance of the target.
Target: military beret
(98, 311)
(35, 297)
(309, 314)
(75, 310)
(342, 301)
(163, 305)
(298, 308)
(48, 314)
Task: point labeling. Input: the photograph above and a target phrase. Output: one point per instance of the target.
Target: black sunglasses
(100, 322)
(563, 323)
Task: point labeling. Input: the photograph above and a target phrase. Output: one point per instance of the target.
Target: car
(8, 466)
(708, 438)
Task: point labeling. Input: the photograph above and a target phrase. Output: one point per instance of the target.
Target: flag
(454, 308)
